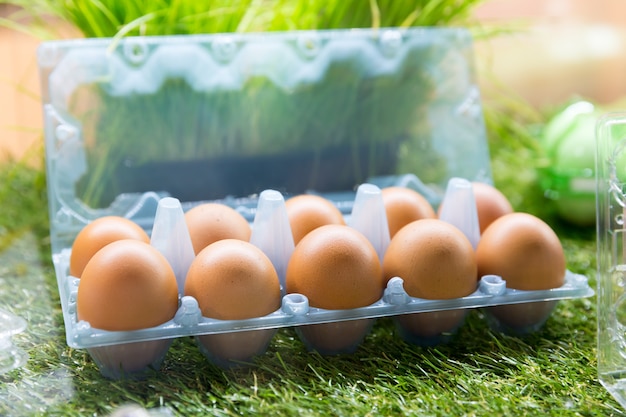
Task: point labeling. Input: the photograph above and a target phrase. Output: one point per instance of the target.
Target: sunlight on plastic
(11, 357)
(22, 281)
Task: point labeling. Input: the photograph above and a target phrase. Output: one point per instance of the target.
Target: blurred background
(555, 51)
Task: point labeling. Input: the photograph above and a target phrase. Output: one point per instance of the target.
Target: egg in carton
(235, 340)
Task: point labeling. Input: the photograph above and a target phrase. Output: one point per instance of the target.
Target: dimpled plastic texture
(147, 128)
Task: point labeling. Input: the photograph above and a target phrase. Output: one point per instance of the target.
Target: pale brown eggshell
(210, 222)
(403, 206)
(307, 212)
(127, 285)
(491, 204)
(336, 267)
(99, 233)
(232, 279)
(434, 258)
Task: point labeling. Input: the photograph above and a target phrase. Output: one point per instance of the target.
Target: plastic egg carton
(148, 127)
(272, 234)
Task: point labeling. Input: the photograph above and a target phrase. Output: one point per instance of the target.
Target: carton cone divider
(170, 236)
(459, 208)
(369, 217)
(271, 231)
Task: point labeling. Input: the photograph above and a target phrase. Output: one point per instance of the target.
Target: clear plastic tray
(147, 128)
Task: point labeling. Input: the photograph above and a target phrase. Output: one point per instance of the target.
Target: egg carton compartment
(148, 128)
(226, 342)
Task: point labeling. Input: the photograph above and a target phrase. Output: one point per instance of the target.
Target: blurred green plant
(109, 18)
(341, 112)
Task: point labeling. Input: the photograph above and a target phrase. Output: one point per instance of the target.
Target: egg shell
(491, 204)
(434, 258)
(127, 285)
(403, 206)
(232, 280)
(307, 212)
(336, 267)
(210, 222)
(99, 233)
(524, 251)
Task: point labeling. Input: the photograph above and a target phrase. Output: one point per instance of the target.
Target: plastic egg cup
(335, 338)
(520, 319)
(130, 360)
(430, 328)
(235, 349)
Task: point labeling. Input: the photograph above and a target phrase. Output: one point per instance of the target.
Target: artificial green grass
(480, 372)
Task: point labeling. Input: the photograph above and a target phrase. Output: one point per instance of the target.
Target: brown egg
(436, 261)
(490, 204)
(307, 212)
(232, 280)
(403, 206)
(528, 255)
(127, 285)
(211, 222)
(434, 258)
(336, 267)
(99, 233)
(524, 251)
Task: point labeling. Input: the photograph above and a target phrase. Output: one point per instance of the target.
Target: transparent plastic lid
(226, 116)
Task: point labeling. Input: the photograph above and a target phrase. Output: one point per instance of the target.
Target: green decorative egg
(568, 177)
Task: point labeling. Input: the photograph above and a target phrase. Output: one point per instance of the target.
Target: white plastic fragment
(295, 304)
(395, 294)
(492, 285)
(170, 236)
(369, 217)
(271, 231)
(458, 208)
(189, 313)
